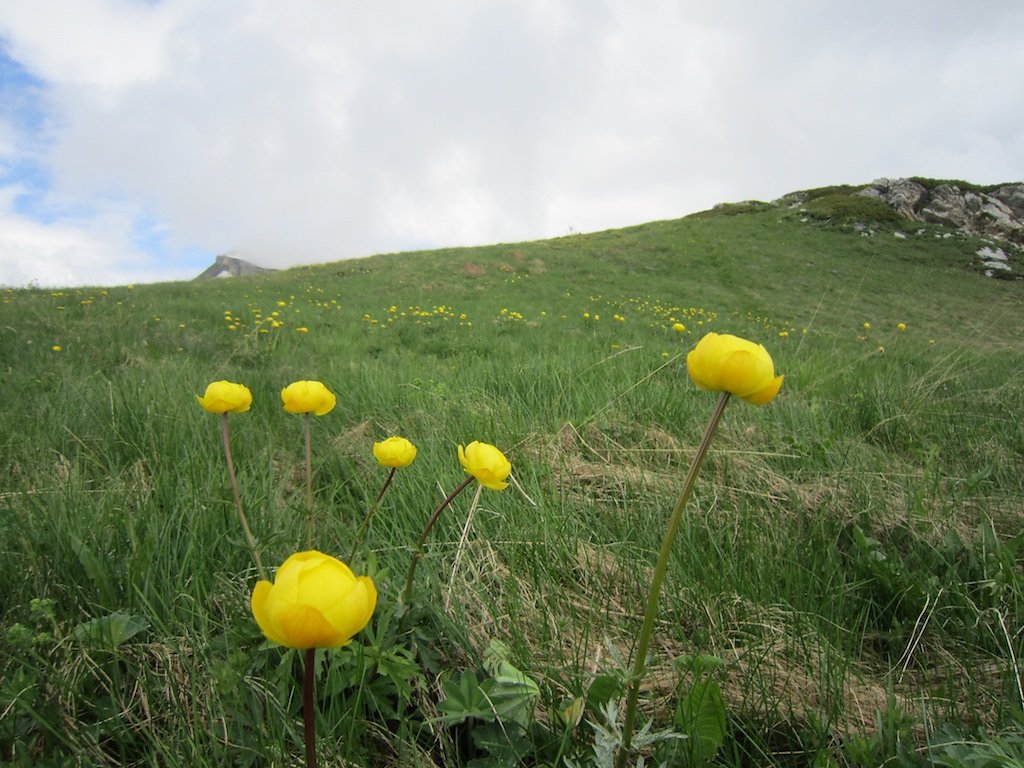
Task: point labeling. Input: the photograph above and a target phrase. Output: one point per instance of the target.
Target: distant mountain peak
(230, 265)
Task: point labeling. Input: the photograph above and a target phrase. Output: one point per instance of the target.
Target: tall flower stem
(660, 569)
(238, 497)
(407, 595)
(308, 711)
(369, 514)
(309, 484)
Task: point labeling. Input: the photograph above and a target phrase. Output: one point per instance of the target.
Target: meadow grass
(851, 557)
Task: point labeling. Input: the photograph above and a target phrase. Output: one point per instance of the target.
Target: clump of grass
(964, 186)
(851, 209)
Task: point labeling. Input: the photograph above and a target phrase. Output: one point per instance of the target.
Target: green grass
(852, 553)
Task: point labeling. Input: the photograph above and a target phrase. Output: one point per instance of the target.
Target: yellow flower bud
(486, 463)
(308, 397)
(315, 602)
(394, 452)
(725, 363)
(226, 397)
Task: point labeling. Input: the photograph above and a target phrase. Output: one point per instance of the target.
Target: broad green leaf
(109, 632)
(701, 715)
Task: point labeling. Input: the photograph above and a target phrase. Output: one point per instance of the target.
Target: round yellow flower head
(725, 363)
(901, 326)
(308, 397)
(486, 463)
(226, 397)
(394, 452)
(315, 602)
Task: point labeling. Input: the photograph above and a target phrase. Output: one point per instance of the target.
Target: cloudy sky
(138, 139)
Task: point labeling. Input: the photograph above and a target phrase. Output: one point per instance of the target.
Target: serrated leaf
(464, 699)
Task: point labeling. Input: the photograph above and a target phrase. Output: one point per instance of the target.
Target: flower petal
(303, 627)
(766, 395)
(260, 598)
(352, 613)
(323, 585)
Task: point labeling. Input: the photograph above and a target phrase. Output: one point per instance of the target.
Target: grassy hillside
(848, 574)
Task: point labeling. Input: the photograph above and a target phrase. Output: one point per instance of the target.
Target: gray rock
(998, 213)
(902, 194)
(1012, 196)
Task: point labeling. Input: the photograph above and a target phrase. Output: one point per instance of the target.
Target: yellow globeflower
(226, 397)
(901, 326)
(315, 602)
(308, 397)
(394, 452)
(486, 463)
(725, 363)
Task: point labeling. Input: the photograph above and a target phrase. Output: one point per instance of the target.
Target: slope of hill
(847, 587)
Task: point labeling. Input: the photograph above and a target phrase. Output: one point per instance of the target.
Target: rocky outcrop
(227, 265)
(996, 212)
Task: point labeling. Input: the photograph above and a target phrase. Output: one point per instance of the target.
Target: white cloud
(93, 43)
(58, 255)
(318, 130)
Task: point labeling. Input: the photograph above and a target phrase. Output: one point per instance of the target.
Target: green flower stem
(238, 497)
(407, 595)
(308, 712)
(373, 508)
(651, 610)
(309, 485)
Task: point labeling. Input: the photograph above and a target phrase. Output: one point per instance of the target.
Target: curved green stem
(309, 485)
(238, 498)
(410, 578)
(373, 508)
(660, 569)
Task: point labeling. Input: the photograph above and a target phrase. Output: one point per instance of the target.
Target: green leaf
(505, 746)
(700, 664)
(603, 689)
(464, 699)
(109, 632)
(95, 567)
(512, 695)
(701, 715)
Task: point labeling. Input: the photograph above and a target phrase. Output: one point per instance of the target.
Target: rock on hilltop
(996, 212)
(992, 214)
